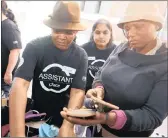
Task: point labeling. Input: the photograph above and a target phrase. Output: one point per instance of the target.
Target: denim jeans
(5, 89)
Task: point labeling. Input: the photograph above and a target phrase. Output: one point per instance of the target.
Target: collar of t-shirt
(153, 51)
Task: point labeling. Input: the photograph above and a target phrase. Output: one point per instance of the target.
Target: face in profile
(63, 38)
(140, 33)
(101, 35)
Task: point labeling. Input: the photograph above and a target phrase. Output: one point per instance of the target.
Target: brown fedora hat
(66, 15)
(142, 10)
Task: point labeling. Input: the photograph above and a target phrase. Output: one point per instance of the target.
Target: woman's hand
(99, 118)
(8, 78)
(96, 92)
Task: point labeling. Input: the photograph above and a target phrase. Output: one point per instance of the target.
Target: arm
(11, 39)
(97, 80)
(18, 96)
(17, 104)
(146, 118)
(77, 94)
(154, 111)
(76, 101)
(13, 58)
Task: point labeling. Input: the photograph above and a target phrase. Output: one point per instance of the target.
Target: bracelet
(106, 117)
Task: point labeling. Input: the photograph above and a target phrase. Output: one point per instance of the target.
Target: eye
(97, 32)
(126, 28)
(139, 26)
(106, 32)
(68, 32)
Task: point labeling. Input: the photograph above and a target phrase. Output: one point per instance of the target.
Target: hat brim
(64, 25)
(156, 19)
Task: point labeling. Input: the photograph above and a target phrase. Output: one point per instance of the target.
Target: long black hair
(7, 12)
(109, 26)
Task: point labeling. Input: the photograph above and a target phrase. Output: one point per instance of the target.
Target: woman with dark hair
(99, 48)
(10, 47)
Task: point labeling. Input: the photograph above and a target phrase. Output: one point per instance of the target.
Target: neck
(101, 47)
(147, 47)
(3, 17)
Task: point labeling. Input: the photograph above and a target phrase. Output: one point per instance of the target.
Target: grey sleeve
(97, 80)
(152, 114)
(79, 81)
(27, 63)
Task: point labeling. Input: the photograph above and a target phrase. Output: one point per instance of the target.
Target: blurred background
(30, 16)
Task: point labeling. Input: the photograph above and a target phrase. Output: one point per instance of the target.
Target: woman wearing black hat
(134, 77)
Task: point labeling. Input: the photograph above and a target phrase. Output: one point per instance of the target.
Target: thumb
(100, 95)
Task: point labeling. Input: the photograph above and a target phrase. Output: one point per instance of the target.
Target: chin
(136, 46)
(62, 47)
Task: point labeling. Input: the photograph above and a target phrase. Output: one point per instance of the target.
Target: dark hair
(109, 26)
(7, 12)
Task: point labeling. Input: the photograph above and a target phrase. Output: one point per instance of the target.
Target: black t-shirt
(96, 59)
(10, 40)
(54, 73)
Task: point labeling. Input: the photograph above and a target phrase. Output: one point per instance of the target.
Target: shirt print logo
(95, 66)
(56, 78)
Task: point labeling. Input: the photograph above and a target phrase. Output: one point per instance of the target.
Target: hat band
(64, 21)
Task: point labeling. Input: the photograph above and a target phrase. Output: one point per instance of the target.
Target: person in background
(99, 48)
(134, 77)
(10, 48)
(58, 68)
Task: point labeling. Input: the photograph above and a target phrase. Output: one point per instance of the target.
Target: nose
(101, 35)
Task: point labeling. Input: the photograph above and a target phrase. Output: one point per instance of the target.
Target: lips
(133, 42)
(101, 41)
(61, 43)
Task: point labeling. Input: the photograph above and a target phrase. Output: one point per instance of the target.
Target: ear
(156, 26)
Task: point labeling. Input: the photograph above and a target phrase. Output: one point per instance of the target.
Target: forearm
(17, 104)
(76, 101)
(12, 61)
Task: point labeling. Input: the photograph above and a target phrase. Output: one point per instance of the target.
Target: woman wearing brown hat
(134, 77)
(10, 48)
(58, 69)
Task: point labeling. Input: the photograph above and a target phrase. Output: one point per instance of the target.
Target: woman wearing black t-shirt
(10, 47)
(99, 48)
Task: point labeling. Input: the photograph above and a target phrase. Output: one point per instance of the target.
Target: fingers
(98, 119)
(8, 81)
(90, 93)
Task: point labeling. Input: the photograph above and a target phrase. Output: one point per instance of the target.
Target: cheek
(148, 35)
(107, 37)
(54, 37)
(95, 37)
(70, 39)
